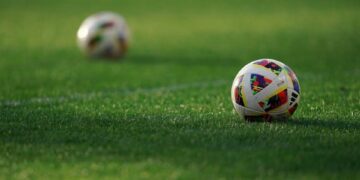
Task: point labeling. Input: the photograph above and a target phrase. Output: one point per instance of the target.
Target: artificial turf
(165, 111)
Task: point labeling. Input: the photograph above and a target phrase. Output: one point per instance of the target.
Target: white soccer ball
(104, 35)
(265, 89)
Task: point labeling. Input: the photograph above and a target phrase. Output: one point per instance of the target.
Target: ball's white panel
(277, 85)
(244, 69)
(251, 101)
(243, 111)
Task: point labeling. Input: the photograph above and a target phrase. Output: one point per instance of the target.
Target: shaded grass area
(164, 135)
(184, 133)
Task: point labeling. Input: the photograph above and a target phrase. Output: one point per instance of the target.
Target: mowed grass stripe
(123, 91)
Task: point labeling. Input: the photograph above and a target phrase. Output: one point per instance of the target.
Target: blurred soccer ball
(103, 35)
(265, 89)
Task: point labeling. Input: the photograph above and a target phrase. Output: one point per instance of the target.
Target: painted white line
(94, 95)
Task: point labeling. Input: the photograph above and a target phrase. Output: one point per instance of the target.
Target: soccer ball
(265, 89)
(104, 35)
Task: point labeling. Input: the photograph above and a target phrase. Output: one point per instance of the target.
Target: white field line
(99, 94)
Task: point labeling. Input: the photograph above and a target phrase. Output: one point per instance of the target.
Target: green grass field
(165, 112)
